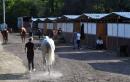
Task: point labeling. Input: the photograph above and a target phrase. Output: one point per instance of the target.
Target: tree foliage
(43, 8)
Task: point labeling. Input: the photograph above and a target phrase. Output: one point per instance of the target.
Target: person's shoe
(30, 71)
(34, 69)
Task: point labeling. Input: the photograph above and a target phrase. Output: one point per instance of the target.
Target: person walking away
(29, 49)
(78, 39)
(99, 43)
(74, 40)
(39, 34)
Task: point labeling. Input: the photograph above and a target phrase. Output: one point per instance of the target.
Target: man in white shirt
(99, 43)
(78, 39)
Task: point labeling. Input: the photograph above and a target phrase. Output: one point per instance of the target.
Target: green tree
(44, 8)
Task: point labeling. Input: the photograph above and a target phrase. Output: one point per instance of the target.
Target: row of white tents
(88, 15)
(114, 34)
(116, 29)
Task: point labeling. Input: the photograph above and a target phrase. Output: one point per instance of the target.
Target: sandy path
(73, 66)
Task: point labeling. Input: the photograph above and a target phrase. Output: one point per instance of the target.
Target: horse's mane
(23, 30)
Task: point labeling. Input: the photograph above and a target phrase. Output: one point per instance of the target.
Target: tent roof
(95, 15)
(36, 19)
(52, 18)
(123, 14)
(71, 16)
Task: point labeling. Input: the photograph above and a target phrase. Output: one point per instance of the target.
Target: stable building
(38, 23)
(118, 30)
(68, 24)
(50, 25)
(24, 21)
(94, 26)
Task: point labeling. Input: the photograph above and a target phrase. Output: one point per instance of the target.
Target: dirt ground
(84, 65)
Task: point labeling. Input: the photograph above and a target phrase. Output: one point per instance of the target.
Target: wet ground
(84, 65)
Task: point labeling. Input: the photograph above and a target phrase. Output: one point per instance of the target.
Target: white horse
(48, 48)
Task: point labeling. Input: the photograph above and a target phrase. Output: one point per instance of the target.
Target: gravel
(70, 66)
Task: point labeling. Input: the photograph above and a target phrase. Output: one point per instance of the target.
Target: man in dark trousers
(39, 33)
(29, 49)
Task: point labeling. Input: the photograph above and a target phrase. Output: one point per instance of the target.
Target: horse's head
(43, 38)
(46, 37)
(47, 40)
(23, 29)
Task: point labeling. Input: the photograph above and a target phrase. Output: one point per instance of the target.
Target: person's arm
(102, 41)
(97, 41)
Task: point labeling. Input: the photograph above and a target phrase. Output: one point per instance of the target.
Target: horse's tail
(51, 57)
(51, 54)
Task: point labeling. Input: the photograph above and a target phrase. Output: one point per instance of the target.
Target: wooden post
(117, 30)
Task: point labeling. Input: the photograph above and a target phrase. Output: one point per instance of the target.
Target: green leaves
(43, 8)
(35, 8)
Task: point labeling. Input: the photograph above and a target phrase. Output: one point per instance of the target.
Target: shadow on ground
(106, 61)
(113, 67)
(13, 77)
(84, 54)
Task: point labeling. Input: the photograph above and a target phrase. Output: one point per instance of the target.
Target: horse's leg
(3, 40)
(23, 39)
(44, 64)
(44, 59)
(6, 38)
(49, 69)
(3, 36)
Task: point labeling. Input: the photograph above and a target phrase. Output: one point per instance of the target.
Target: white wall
(121, 30)
(19, 22)
(89, 28)
(69, 27)
(66, 27)
(127, 30)
(49, 25)
(41, 25)
(118, 30)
